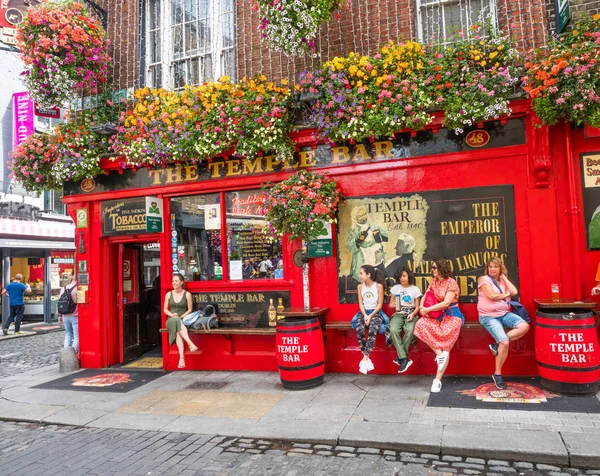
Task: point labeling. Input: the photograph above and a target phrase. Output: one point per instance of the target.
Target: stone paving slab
(132, 421)
(583, 448)
(527, 445)
(325, 432)
(208, 425)
(407, 437)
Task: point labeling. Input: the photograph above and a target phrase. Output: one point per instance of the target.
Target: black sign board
(465, 226)
(124, 217)
(590, 180)
(404, 146)
(242, 309)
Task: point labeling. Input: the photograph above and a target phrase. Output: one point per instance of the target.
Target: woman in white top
(370, 300)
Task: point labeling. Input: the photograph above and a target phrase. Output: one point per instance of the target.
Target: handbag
(429, 300)
(515, 306)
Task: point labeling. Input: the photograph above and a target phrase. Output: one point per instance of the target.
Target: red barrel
(300, 353)
(567, 351)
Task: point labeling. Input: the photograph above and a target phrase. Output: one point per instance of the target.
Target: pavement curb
(559, 448)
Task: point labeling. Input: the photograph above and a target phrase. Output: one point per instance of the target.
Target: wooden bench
(232, 331)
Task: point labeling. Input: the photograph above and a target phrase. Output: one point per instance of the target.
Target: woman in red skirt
(440, 334)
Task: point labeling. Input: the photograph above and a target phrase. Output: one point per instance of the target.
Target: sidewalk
(31, 329)
(387, 412)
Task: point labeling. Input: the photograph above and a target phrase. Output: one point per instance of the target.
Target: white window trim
(217, 29)
(421, 4)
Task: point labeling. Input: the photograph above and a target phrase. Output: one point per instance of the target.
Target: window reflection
(196, 241)
(252, 253)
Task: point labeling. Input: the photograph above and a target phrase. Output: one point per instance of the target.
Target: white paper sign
(235, 270)
(212, 217)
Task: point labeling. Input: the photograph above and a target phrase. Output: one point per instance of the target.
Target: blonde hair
(496, 260)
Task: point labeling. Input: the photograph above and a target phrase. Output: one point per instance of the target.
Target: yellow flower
(493, 55)
(284, 81)
(483, 63)
(596, 17)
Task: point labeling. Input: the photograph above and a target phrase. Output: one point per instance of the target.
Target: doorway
(136, 298)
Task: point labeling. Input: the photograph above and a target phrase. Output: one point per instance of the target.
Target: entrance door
(129, 301)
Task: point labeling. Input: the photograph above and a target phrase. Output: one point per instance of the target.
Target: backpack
(65, 304)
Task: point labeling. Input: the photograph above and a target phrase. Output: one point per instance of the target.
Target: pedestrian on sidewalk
(70, 315)
(495, 291)
(406, 299)
(15, 292)
(440, 334)
(370, 299)
(178, 304)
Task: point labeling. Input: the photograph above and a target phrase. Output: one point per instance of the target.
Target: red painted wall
(538, 171)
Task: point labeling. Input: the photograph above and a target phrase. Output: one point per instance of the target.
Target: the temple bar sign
(403, 146)
(131, 216)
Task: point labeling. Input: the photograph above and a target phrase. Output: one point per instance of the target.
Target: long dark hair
(411, 276)
(375, 273)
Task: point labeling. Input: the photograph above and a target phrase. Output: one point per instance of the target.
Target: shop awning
(48, 244)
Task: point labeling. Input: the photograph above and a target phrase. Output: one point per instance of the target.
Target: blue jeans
(71, 332)
(495, 325)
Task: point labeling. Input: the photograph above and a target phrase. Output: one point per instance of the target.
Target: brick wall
(122, 30)
(365, 26)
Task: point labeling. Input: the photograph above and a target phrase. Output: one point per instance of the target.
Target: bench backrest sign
(242, 309)
(132, 216)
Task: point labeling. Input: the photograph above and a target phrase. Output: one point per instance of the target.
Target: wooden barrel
(567, 351)
(300, 353)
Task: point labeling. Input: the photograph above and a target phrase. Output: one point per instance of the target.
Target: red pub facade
(520, 195)
(503, 187)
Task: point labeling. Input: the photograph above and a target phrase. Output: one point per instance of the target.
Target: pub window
(189, 42)
(196, 237)
(438, 19)
(252, 253)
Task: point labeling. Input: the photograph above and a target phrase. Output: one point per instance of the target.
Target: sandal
(181, 364)
(193, 348)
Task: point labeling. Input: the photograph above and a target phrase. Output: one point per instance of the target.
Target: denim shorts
(495, 325)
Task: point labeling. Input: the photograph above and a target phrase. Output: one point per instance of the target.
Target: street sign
(563, 15)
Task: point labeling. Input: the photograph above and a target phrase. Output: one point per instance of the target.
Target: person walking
(15, 292)
(70, 317)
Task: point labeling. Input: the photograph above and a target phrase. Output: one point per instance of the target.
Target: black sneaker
(494, 348)
(405, 365)
(498, 381)
(5, 332)
(398, 361)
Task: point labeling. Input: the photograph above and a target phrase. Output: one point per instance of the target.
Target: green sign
(563, 14)
(82, 218)
(154, 215)
(321, 247)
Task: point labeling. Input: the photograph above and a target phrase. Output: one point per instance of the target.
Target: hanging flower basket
(298, 206)
(563, 81)
(64, 50)
(291, 26)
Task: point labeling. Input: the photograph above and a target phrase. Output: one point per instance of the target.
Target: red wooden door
(129, 302)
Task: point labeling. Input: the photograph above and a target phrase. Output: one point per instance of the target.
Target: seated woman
(495, 291)
(370, 300)
(441, 334)
(178, 304)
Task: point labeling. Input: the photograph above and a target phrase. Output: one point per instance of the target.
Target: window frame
(168, 61)
(210, 285)
(421, 4)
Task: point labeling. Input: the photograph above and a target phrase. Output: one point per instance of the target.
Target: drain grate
(207, 385)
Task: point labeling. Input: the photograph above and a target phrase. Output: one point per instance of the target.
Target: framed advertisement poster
(590, 180)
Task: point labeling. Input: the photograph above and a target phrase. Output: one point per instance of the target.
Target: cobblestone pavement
(32, 449)
(30, 352)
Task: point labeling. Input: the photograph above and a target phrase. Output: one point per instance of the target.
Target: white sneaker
(370, 365)
(441, 360)
(436, 386)
(362, 367)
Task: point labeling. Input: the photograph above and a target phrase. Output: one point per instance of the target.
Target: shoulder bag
(515, 306)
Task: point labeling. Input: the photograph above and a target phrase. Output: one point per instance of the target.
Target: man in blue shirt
(15, 292)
